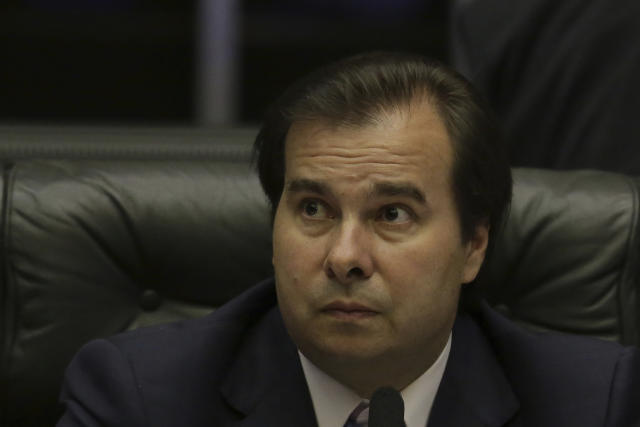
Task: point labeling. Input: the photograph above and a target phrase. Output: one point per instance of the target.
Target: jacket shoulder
(578, 376)
(146, 376)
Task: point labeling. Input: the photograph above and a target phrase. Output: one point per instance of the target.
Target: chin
(344, 350)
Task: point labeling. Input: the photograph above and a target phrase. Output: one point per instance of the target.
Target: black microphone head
(386, 408)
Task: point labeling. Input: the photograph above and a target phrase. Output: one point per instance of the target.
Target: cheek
(422, 277)
(297, 260)
(411, 261)
(290, 254)
(287, 276)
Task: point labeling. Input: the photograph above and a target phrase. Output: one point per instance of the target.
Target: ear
(476, 249)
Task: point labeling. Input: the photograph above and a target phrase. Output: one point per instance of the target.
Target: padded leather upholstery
(105, 230)
(567, 259)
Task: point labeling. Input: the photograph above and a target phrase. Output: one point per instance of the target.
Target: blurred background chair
(106, 230)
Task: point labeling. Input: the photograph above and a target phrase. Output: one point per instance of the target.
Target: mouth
(348, 310)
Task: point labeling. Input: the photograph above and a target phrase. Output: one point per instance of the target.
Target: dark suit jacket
(238, 367)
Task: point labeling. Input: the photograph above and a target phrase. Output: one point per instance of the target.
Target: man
(387, 180)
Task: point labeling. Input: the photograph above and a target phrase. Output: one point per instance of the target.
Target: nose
(349, 255)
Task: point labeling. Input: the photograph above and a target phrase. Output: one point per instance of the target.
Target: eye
(314, 209)
(394, 214)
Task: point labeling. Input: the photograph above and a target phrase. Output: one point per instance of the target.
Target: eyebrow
(399, 189)
(308, 185)
(384, 189)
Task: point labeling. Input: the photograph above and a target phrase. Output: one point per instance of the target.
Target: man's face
(367, 249)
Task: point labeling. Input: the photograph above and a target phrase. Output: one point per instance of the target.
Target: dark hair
(356, 90)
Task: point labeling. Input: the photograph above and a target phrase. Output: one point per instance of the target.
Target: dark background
(135, 61)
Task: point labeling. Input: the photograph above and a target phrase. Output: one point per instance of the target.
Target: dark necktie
(359, 417)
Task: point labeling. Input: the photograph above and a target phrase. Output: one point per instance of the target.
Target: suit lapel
(474, 391)
(266, 383)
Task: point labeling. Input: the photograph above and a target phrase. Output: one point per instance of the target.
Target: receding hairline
(375, 114)
(423, 103)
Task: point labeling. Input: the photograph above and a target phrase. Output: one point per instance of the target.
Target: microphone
(386, 408)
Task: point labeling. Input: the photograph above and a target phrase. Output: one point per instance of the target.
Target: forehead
(410, 142)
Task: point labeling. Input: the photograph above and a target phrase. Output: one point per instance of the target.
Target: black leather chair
(105, 230)
(567, 259)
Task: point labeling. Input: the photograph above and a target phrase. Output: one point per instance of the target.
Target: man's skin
(367, 247)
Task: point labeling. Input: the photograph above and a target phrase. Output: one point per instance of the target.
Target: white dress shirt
(333, 401)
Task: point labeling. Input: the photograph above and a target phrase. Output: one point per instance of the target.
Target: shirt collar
(333, 401)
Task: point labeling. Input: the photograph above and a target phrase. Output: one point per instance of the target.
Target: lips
(349, 310)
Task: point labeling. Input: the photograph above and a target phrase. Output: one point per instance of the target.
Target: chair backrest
(567, 259)
(106, 230)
